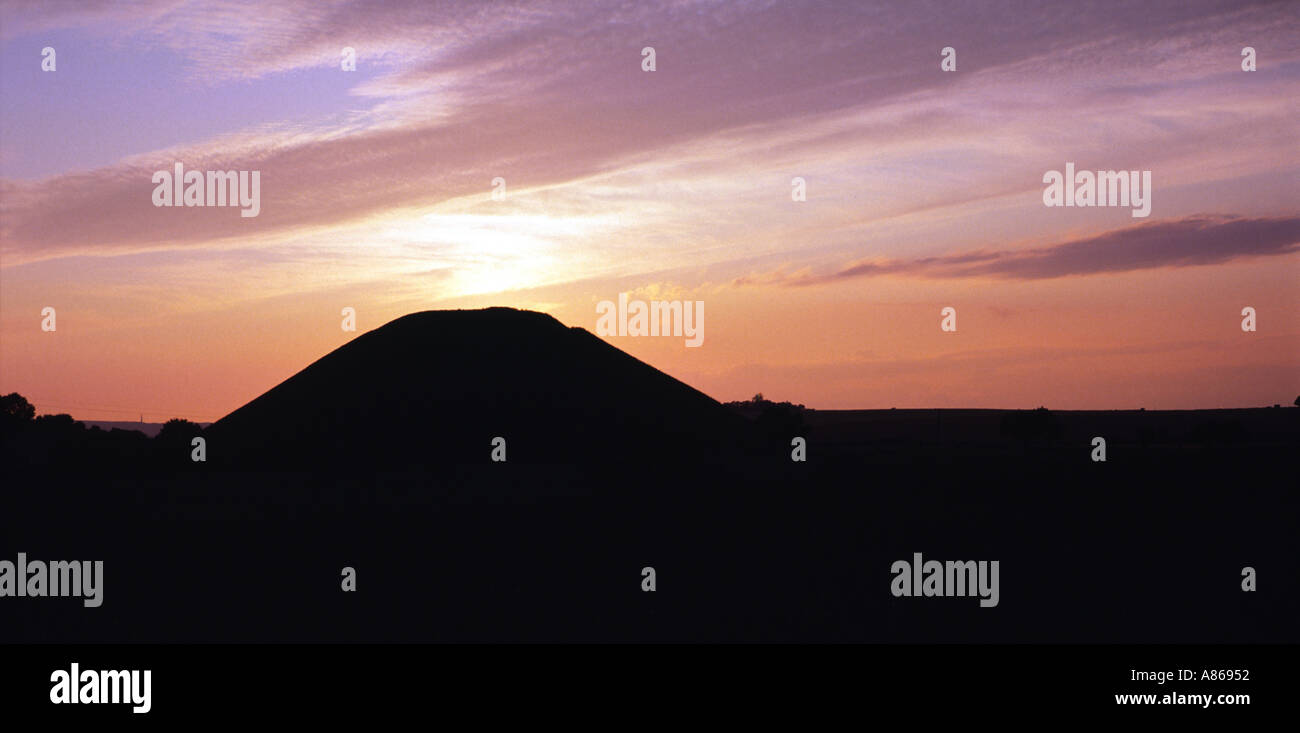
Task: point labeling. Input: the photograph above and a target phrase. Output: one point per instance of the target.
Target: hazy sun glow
(923, 191)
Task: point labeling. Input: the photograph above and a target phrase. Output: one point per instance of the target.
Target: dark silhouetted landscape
(378, 457)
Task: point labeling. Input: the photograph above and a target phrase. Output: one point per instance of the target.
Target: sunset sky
(924, 190)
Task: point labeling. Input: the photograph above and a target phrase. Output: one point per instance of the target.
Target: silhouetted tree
(16, 414)
(781, 422)
(62, 423)
(177, 428)
(61, 443)
(14, 407)
(49, 439)
(757, 405)
(174, 441)
(1297, 401)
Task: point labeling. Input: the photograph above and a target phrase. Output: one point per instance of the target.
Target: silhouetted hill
(436, 387)
(1147, 546)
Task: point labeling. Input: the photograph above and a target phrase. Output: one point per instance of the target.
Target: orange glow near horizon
(923, 190)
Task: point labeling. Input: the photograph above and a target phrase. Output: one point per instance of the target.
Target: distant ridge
(148, 428)
(436, 386)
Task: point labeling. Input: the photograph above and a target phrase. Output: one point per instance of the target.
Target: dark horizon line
(811, 409)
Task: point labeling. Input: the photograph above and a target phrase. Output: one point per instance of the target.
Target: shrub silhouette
(58, 442)
(173, 444)
(777, 422)
(16, 414)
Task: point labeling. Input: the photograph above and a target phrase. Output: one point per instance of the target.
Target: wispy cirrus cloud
(552, 95)
(1186, 242)
(375, 183)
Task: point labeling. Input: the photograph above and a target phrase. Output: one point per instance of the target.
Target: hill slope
(438, 386)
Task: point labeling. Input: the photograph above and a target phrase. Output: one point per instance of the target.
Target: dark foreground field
(1148, 546)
